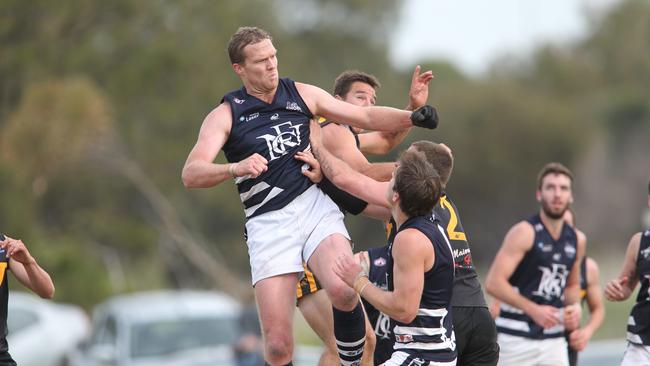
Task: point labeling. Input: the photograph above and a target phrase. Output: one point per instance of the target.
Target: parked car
(42, 332)
(163, 328)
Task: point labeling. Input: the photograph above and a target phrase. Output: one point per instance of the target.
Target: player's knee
(342, 296)
(279, 349)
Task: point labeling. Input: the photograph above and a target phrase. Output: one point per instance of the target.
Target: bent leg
(316, 308)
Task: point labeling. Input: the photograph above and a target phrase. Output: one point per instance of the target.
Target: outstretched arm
(370, 118)
(26, 269)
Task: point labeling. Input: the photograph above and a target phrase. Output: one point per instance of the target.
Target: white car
(42, 332)
(163, 328)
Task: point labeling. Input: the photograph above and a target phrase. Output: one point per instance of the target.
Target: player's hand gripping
(252, 166)
(572, 315)
(578, 339)
(545, 316)
(425, 116)
(312, 171)
(16, 250)
(348, 269)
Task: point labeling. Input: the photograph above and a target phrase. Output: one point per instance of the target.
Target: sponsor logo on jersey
(557, 256)
(539, 227)
(403, 338)
(275, 116)
(252, 116)
(293, 106)
(283, 138)
(570, 250)
(545, 247)
(379, 262)
(645, 253)
(238, 101)
(553, 281)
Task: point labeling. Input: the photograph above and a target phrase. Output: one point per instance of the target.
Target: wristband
(360, 283)
(231, 169)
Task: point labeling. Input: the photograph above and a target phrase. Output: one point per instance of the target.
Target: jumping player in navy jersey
(420, 275)
(636, 269)
(535, 275)
(260, 127)
(15, 257)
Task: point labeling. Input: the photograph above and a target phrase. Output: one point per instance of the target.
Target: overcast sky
(471, 33)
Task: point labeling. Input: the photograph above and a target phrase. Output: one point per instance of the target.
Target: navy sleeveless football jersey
(638, 325)
(541, 277)
(430, 335)
(277, 131)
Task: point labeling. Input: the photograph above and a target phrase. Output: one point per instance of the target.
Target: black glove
(425, 116)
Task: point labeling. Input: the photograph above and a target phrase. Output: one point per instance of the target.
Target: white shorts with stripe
(520, 351)
(636, 355)
(280, 241)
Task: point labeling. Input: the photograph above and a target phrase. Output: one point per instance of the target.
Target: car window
(106, 332)
(20, 319)
(170, 336)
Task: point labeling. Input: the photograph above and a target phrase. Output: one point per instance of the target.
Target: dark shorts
(308, 284)
(476, 336)
(6, 360)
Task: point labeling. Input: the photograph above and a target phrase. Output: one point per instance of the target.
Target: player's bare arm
(515, 245)
(26, 269)
(200, 171)
(413, 255)
(340, 141)
(371, 118)
(581, 336)
(344, 177)
(620, 288)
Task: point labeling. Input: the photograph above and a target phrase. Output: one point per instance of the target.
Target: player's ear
(538, 195)
(338, 97)
(238, 69)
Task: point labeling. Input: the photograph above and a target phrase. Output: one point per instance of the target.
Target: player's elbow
(405, 314)
(189, 178)
(490, 286)
(47, 293)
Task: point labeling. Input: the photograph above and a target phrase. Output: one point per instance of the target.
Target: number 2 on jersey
(453, 221)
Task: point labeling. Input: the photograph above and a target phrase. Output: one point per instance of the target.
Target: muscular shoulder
(412, 244)
(520, 237)
(220, 117)
(592, 269)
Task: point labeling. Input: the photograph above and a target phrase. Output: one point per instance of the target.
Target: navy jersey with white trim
(541, 277)
(430, 335)
(638, 326)
(277, 131)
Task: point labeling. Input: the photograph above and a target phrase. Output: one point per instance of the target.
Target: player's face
(555, 195)
(260, 66)
(361, 94)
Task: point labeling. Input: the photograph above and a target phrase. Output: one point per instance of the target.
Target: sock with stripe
(350, 334)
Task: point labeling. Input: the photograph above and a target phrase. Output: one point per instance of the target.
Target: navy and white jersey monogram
(430, 335)
(638, 325)
(277, 131)
(541, 276)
